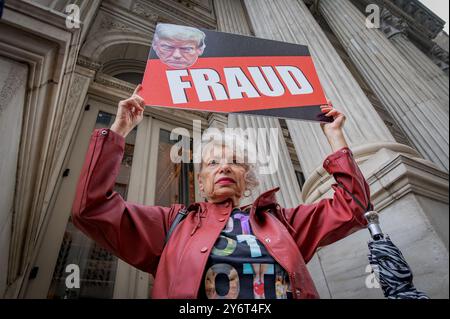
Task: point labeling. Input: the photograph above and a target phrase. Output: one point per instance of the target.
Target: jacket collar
(266, 199)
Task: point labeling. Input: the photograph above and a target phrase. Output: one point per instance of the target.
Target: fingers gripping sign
(334, 130)
(338, 117)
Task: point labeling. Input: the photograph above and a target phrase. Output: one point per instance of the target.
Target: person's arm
(333, 131)
(331, 219)
(135, 233)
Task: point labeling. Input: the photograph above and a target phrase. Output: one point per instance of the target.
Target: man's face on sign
(178, 54)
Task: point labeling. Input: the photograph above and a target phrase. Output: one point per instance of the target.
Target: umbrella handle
(374, 225)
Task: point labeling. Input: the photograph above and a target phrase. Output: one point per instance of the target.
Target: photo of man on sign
(178, 46)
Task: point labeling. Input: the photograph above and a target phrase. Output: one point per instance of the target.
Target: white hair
(172, 31)
(244, 150)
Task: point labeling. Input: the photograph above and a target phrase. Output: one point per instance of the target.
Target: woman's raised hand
(333, 131)
(338, 117)
(130, 113)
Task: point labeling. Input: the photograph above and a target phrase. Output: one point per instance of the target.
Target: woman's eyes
(233, 162)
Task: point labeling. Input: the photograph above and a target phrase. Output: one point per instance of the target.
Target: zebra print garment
(393, 272)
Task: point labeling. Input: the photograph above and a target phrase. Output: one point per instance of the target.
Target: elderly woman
(220, 250)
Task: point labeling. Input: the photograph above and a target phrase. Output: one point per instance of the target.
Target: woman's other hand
(130, 113)
(333, 131)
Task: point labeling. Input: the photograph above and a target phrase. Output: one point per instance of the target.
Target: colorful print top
(239, 266)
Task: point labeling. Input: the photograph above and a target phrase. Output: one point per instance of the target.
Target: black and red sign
(214, 71)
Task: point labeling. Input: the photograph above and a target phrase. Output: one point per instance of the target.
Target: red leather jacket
(136, 233)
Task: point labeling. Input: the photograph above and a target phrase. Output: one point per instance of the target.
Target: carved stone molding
(13, 81)
(422, 23)
(113, 82)
(77, 92)
(186, 12)
(440, 53)
(145, 12)
(422, 16)
(391, 24)
(110, 24)
(440, 57)
(88, 63)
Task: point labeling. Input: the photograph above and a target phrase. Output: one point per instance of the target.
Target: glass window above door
(174, 181)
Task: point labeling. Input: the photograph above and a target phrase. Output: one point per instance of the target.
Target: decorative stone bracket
(440, 57)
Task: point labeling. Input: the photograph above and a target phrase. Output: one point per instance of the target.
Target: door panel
(62, 243)
(13, 77)
(97, 265)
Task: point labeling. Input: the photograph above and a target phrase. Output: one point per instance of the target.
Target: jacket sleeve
(332, 219)
(134, 233)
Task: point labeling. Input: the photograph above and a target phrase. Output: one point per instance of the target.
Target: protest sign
(205, 70)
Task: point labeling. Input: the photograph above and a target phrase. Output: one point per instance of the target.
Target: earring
(248, 194)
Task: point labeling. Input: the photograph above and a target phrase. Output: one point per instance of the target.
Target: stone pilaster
(393, 79)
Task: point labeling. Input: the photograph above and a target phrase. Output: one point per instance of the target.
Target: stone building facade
(60, 79)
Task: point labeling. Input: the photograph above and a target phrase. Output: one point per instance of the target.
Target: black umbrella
(389, 265)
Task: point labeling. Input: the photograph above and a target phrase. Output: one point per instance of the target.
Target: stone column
(364, 126)
(395, 30)
(393, 79)
(231, 18)
(391, 169)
